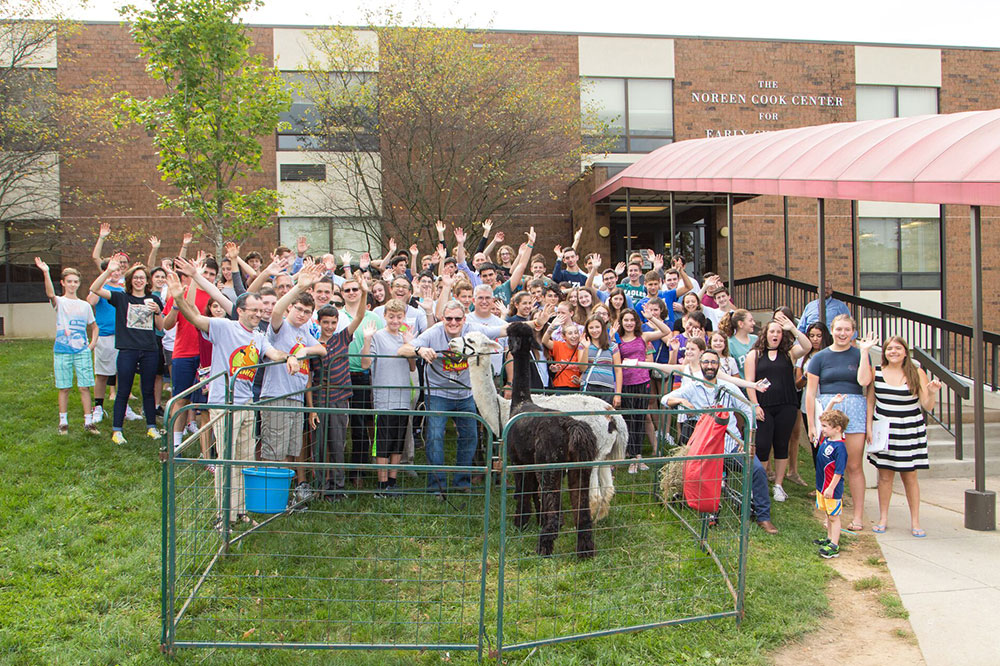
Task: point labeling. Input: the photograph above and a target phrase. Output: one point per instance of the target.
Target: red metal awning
(942, 159)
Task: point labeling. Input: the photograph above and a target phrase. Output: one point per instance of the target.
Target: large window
(876, 102)
(899, 253)
(331, 234)
(332, 114)
(639, 113)
(20, 243)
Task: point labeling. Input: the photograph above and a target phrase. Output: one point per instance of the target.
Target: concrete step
(959, 469)
(941, 452)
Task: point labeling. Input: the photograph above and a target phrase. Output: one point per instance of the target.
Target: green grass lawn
(80, 564)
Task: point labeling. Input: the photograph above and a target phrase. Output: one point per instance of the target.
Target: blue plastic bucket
(266, 488)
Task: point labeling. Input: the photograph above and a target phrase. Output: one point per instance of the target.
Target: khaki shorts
(281, 432)
(105, 356)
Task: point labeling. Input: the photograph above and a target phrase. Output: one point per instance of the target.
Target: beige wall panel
(627, 56)
(895, 66)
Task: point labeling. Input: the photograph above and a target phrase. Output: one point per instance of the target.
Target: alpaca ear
(495, 346)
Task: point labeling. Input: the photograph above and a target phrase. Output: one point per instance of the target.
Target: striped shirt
(332, 372)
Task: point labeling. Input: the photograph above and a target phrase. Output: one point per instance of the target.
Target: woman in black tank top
(773, 358)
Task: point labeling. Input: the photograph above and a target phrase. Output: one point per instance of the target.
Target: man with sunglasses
(447, 380)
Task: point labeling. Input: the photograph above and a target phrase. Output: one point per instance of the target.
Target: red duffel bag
(703, 478)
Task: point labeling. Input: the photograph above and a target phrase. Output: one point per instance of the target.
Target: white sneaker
(633, 468)
(191, 428)
(130, 415)
(98, 414)
(779, 494)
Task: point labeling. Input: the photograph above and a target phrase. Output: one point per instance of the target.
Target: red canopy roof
(950, 158)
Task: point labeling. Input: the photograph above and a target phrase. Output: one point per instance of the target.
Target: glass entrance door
(691, 244)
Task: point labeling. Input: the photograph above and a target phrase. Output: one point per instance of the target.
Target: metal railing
(419, 572)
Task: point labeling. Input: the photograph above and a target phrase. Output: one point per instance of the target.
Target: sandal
(920, 534)
(878, 529)
(796, 479)
(854, 527)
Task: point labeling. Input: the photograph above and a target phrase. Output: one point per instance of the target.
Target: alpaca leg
(584, 524)
(551, 484)
(520, 515)
(595, 498)
(531, 490)
(607, 490)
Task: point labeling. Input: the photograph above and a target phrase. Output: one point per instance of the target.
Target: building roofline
(563, 33)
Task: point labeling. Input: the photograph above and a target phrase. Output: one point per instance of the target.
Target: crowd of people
(371, 338)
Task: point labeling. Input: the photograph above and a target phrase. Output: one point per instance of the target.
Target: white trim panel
(626, 56)
(293, 47)
(896, 209)
(897, 66)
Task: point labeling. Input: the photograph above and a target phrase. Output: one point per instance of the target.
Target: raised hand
(105, 230)
(499, 237)
(408, 336)
(487, 226)
(42, 266)
(329, 262)
(531, 235)
(934, 385)
(200, 258)
(785, 322)
(368, 329)
(309, 275)
(301, 245)
(678, 263)
(182, 265)
(837, 399)
(620, 267)
(345, 259)
(657, 262)
(154, 242)
(365, 261)
(174, 287)
(392, 246)
(868, 341)
(558, 251)
(460, 235)
(414, 250)
(114, 264)
(576, 236)
(439, 226)
(187, 238)
(232, 251)
(595, 261)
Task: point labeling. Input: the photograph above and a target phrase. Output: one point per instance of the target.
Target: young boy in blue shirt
(831, 460)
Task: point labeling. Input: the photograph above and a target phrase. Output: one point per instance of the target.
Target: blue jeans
(130, 360)
(467, 433)
(760, 499)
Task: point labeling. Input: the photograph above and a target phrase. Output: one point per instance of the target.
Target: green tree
(219, 100)
(457, 125)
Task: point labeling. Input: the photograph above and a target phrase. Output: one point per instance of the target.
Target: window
(331, 234)
(342, 120)
(20, 243)
(875, 102)
(639, 113)
(899, 253)
(303, 172)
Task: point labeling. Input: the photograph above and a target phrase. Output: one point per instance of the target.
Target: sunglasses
(338, 304)
(454, 318)
(350, 290)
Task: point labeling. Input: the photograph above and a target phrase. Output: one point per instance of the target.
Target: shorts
(390, 434)
(184, 375)
(105, 356)
(66, 364)
(281, 432)
(856, 408)
(831, 507)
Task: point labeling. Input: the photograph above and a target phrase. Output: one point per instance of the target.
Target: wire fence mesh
(411, 567)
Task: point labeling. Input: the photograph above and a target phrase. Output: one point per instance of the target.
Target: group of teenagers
(372, 337)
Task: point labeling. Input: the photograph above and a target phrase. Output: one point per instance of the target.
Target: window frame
(22, 291)
(899, 276)
(895, 96)
(626, 122)
(367, 141)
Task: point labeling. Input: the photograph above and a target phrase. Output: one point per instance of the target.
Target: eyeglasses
(710, 363)
(338, 304)
(454, 318)
(350, 290)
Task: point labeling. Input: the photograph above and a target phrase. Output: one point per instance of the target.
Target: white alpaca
(608, 427)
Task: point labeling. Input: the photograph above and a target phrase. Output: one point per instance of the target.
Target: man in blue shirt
(705, 395)
(834, 307)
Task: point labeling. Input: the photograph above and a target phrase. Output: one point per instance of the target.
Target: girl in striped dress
(899, 392)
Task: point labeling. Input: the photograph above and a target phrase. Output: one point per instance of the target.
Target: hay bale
(672, 477)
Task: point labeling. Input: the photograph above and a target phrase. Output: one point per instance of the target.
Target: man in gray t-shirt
(447, 379)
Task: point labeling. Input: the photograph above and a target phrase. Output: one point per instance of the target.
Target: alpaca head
(521, 338)
(474, 344)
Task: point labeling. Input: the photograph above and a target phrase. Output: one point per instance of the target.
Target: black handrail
(955, 392)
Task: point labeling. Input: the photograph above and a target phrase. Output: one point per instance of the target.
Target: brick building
(653, 91)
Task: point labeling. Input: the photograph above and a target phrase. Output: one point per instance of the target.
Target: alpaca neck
(484, 392)
(520, 386)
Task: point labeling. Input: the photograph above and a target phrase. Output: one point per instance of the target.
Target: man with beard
(702, 394)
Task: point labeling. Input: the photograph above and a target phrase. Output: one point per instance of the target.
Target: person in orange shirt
(565, 374)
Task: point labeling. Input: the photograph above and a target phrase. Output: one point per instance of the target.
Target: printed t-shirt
(234, 349)
(134, 321)
(633, 292)
(187, 335)
(104, 313)
(739, 351)
(837, 371)
(354, 359)
(72, 317)
(394, 372)
(448, 376)
(831, 458)
(277, 381)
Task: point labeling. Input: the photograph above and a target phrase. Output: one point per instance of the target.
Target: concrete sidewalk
(950, 580)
